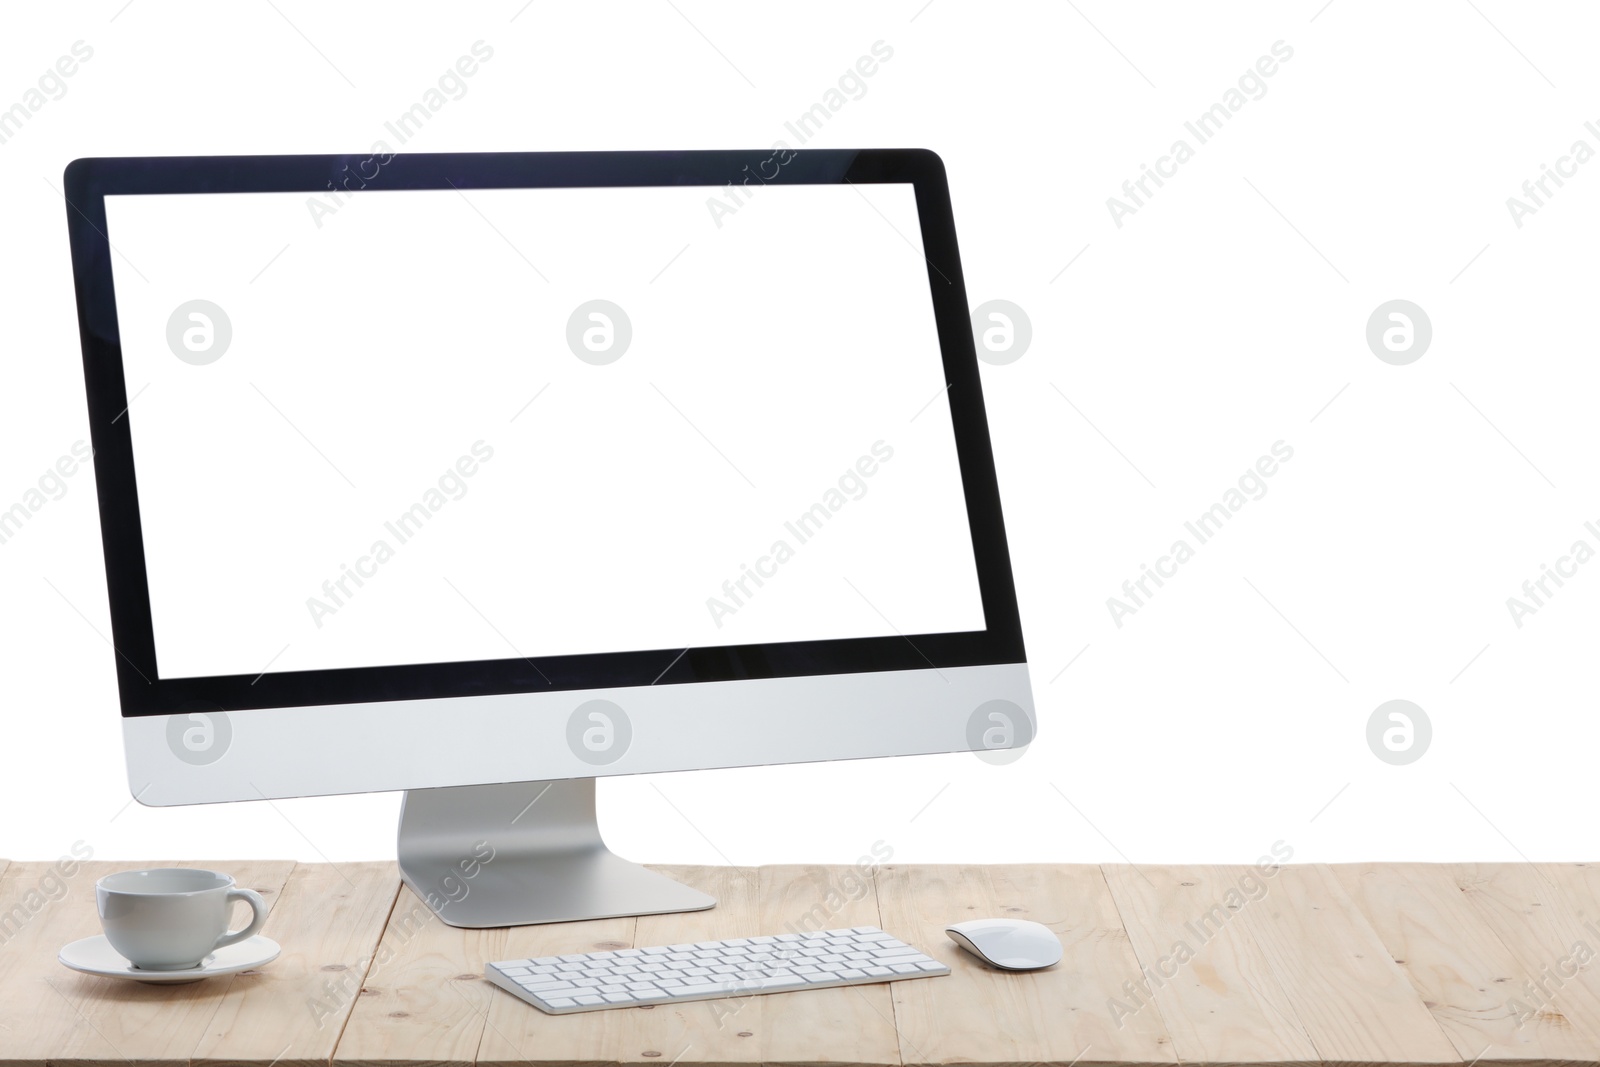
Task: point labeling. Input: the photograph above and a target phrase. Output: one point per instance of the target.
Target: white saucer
(94, 955)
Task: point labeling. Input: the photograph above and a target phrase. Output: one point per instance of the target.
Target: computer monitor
(483, 476)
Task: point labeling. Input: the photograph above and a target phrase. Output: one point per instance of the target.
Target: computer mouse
(1010, 944)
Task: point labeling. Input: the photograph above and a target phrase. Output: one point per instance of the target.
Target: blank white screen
(381, 352)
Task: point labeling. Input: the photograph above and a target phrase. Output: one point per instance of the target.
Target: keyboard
(741, 967)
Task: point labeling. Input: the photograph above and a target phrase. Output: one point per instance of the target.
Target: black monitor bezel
(143, 692)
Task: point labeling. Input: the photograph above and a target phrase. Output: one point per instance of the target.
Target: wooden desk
(1374, 963)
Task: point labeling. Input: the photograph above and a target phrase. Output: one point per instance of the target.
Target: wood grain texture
(1417, 965)
(980, 1014)
(1349, 995)
(1547, 915)
(1467, 977)
(1577, 887)
(329, 921)
(848, 1025)
(413, 1010)
(1202, 971)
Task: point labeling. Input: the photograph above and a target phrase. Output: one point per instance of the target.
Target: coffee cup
(172, 918)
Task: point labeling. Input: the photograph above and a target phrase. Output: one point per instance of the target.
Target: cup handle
(257, 905)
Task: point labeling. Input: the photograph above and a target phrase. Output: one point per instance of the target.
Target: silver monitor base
(527, 852)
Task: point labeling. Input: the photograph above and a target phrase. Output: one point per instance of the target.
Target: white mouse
(1010, 944)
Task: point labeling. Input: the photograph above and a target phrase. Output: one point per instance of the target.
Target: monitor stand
(525, 852)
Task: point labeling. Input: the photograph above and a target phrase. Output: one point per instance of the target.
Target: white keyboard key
(758, 985)
(551, 987)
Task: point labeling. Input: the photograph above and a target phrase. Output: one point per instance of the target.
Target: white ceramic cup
(172, 918)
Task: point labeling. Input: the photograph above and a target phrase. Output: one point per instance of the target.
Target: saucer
(94, 955)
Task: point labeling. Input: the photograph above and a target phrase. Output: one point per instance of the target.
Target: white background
(1167, 355)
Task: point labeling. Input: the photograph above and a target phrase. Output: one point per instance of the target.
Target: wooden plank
(1466, 975)
(329, 921)
(981, 1014)
(164, 1023)
(516, 1032)
(1353, 1000)
(412, 1009)
(848, 1025)
(1543, 914)
(1577, 886)
(1201, 969)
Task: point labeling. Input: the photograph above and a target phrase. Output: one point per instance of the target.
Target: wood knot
(399, 1015)
(467, 977)
(335, 967)
(650, 1053)
(745, 1033)
(611, 946)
